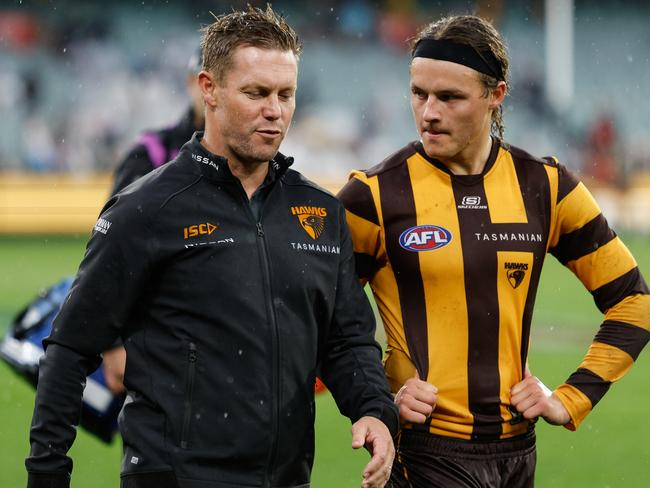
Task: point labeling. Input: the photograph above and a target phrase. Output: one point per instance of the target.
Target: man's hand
(533, 399)
(114, 363)
(416, 400)
(373, 433)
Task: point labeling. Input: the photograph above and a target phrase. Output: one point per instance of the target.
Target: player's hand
(416, 400)
(533, 399)
(375, 436)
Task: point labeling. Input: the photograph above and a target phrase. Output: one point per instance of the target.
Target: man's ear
(498, 94)
(207, 85)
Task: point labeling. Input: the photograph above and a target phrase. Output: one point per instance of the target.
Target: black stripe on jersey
(399, 214)
(589, 383)
(357, 198)
(529, 174)
(366, 265)
(480, 260)
(582, 241)
(566, 182)
(626, 337)
(631, 283)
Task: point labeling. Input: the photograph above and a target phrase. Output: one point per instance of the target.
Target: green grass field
(611, 449)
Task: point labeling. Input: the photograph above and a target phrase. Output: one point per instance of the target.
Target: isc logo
(198, 229)
(424, 238)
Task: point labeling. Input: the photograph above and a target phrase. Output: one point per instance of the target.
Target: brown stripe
(583, 241)
(537, 199)
(631, 283)
(480, 260)
(590, 384)
(567, 181)
(626, 337)
(366, 265)
(357, 198)
(399, 214)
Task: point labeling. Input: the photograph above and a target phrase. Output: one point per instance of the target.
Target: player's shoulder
(522, 156)
(391, 162)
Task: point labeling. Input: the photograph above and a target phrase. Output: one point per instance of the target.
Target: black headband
(464, 54)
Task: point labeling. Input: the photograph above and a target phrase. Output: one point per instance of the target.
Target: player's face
(451, 112)
(254, 104)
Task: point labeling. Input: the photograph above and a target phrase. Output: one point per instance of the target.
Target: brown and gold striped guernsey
(454, 263)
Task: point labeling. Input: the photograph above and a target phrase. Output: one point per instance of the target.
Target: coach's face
(451, 109)
(252, 106)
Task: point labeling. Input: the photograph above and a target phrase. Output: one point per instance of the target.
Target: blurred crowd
(79, 81)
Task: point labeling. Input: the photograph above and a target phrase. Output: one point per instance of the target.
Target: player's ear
(207, 84)
(498, 94)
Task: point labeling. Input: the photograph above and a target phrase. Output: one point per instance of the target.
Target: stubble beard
(251, 155)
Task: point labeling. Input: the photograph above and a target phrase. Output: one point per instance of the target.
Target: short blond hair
(252, 27)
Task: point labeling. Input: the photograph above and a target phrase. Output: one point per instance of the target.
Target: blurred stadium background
(79, 80)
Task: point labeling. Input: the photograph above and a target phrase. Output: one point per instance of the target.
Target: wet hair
(485, 40)
(252, 27)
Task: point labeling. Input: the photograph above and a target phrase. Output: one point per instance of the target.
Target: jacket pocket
(189, 394)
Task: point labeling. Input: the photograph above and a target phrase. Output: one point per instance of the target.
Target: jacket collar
(215, 167)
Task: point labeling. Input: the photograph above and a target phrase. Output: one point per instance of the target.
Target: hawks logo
(516, 273)
(312, 219)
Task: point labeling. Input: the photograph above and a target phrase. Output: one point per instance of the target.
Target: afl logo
(424, 238)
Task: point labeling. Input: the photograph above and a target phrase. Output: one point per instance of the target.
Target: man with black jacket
(230, 279)
(153, 149)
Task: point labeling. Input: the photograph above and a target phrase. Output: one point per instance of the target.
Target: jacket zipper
(270, 310)
(189, 393)
(275, 377)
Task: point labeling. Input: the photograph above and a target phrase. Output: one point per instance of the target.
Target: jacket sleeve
(582, 240)
(358, 198)
(108, 283)
(351, 366)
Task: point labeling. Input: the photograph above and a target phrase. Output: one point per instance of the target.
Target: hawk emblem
(515, 277)
(312, 224)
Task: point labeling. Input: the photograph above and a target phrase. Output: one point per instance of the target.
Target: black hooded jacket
(225, 319)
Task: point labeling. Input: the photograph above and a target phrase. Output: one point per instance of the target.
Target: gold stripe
(512, 302)
(577, 404)
(608, 362)
(373, 184)
(502, 191)
(604, 265)
(576, 209)
(633, 310)
(443, 278)
(397, 365)
(553, 183)
(366, 236)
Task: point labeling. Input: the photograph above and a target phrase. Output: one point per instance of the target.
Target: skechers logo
(515, 273)
(424, 238)
(311, 219)
(471, 203)
(198, 230)
(102, 225)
